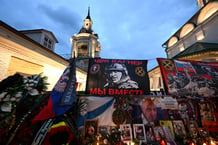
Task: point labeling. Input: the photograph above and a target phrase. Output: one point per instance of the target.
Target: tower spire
(88, 16)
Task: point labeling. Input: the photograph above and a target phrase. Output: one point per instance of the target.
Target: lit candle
(162, 142)
(212, 142)
(132, 143)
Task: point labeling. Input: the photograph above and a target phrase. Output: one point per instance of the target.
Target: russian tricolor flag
(63, 95)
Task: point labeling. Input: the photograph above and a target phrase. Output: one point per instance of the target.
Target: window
(83, 51)
(159, 83)
(48, 43)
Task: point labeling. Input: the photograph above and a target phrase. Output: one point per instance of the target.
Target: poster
(146, 110)
(187, 110)
(189, 78)
(112, 77)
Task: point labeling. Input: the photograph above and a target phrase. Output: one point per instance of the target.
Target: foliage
(18, 95)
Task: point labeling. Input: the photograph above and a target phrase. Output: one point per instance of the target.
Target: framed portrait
(187, 110)
(106, 129)
(206, 111)
(139, 131)
(126, 132)
(192, 127)
(90, 128)
(179, 128)
(168, 123)
(203, 132)
(159, 133)
(149, 134)
(167, 133)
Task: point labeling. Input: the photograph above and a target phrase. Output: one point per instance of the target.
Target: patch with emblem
(118, 116)
(95, 68)
(168, 65)
(140, 71)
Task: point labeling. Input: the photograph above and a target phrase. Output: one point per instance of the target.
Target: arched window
(83, 51)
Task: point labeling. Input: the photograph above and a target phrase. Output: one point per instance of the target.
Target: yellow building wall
(20, 55)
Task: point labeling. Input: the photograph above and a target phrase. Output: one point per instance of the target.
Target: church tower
(85, 44)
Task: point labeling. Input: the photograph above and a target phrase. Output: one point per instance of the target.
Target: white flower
(13, 99)
(7, 98)
(33, 92)
(2, 94)
(18, 94)
(6, 107)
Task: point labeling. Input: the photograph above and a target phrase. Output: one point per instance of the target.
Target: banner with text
(111, 77)
(190, 78)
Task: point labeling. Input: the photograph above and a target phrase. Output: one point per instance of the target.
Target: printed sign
(169, 103)
(115, 77)
(190, 78)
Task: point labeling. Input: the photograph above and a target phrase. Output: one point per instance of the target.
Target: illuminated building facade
(196, 40)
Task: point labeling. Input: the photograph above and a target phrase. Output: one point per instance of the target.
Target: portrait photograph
(106, 129)
(149, 134)
(126, 132)
(179, 128)
(193, 129)
(139, 131)
(186, 111)
(159, 133)
(109, 76)
(146, 110)
(90, 128)
(206, 111)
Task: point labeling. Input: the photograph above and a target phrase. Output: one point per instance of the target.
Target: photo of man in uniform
(117, 77)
